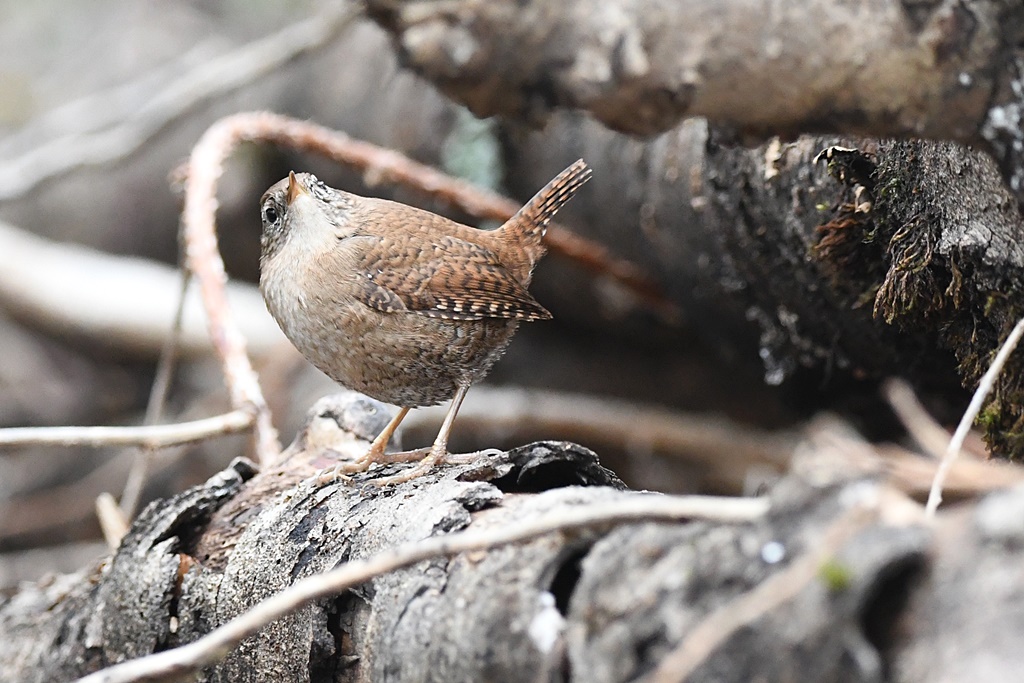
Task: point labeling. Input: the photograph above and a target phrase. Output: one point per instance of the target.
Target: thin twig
(380, 165)
(957, 442)
(148, 115)
(155, 407)
(214, 646)
(203, 259)
(928, 433)
(113, 522)
(153, 436)
(913, 474)
(73, 291)
(747, 608)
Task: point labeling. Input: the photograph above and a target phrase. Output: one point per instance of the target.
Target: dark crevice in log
(547, 465)
(886, 606)
(566, 577)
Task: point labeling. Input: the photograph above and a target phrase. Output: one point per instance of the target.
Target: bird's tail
(525, 230)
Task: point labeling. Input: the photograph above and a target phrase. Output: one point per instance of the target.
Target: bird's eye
(270, 214)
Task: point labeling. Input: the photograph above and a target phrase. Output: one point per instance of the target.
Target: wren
(398, 303)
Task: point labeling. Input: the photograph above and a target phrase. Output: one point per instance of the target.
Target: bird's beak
(295, 188)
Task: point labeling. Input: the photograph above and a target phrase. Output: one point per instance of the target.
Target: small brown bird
(398, 303)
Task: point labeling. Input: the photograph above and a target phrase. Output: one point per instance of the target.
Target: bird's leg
(373, 455)
(439, 451)
(376, 452)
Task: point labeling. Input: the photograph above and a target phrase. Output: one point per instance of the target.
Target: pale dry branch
(833, 439)
(103, 108)
(112, 132)
(956, 443)
(151, 436)
(928, 434)
(155, 406)
(203, 259)
(69, 289)
(113, 522)
(215, 646)
(913, 474)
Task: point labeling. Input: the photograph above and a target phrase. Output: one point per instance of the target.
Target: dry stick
(214, 646)
(154, 112)
(113, 522)
(744, 610)
(928, 434)
(69, 289)
(385, 165)
(911, 473)
(153, 436)
(203, 259)
(155, 407)
(957, 442)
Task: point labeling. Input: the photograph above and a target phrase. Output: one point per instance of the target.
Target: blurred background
(100, 102)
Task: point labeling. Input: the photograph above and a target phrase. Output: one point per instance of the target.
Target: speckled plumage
(395, 302)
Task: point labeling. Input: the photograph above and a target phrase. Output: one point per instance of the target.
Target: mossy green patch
(835, 575)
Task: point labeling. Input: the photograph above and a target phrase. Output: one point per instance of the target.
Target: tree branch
(149, 436)
(884, 68)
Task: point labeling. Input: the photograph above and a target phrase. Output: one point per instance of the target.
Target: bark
(939, 69)
(767, 252)
(603, 605)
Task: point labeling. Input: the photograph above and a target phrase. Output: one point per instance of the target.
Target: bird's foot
(433, 459)
(340, 471)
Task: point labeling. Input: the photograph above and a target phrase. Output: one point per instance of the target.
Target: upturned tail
(524, 231)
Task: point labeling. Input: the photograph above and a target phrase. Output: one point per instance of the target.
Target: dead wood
(780, 262)
(885, 68)
(601, 605)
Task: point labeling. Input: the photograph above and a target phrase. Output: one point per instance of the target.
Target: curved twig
(957, 442)
(102, 137)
